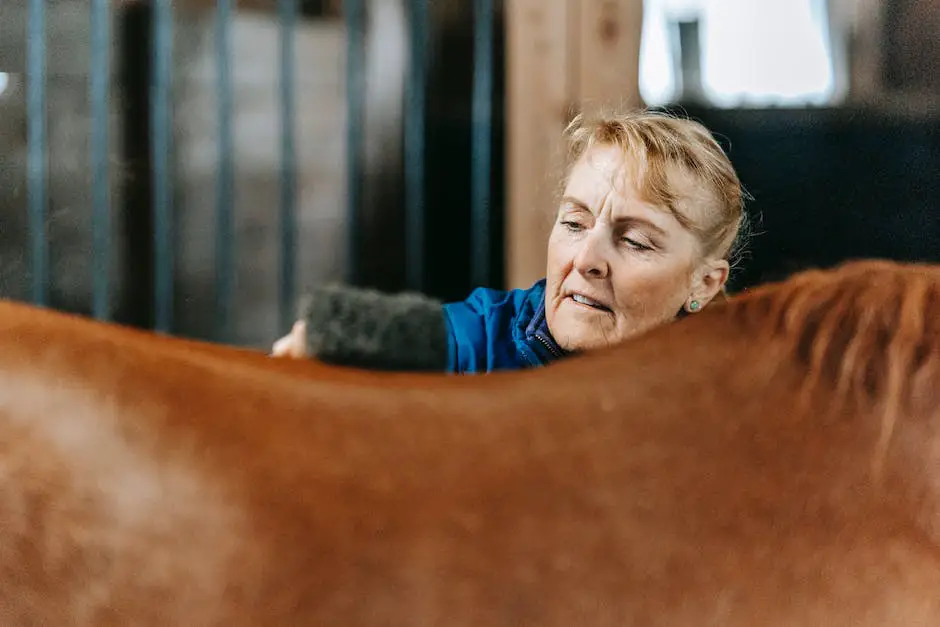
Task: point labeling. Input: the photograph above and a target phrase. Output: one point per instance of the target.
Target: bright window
(754, 53)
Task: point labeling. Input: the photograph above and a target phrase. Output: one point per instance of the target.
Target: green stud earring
(694, 305)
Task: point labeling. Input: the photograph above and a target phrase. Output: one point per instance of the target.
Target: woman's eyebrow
(574, 202)
(633, 221)
(629, 221)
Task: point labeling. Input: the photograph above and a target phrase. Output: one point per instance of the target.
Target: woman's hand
(293, 344)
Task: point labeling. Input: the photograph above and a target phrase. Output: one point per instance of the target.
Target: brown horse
(773, 461)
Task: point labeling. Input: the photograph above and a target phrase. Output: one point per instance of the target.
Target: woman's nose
(591, 260)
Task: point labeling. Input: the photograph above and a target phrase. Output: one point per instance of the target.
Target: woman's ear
(707, 281)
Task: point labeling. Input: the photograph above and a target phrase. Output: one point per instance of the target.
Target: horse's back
(771, 462)
(150, 480)
(98, 510)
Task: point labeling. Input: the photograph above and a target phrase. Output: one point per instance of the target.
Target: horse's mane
(868, 330)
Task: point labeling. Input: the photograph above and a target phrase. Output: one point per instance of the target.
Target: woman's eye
(571, 225)
(632, 243)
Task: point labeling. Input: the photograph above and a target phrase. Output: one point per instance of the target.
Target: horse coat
(771, 461)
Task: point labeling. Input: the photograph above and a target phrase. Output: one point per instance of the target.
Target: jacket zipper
(550, 348)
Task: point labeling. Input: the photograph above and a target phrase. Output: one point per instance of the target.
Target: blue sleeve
(480, 331)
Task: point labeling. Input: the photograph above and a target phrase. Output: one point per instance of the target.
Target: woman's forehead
(605, 174)
(599, 172)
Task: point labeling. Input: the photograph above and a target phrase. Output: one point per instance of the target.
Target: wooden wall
(561, 57)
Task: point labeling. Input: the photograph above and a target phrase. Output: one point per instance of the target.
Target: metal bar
(288, 200)
(354, 11)
(225, 183)
(481, 147)
(37, 152)
(414, 130)
(162, 52)
(99, 84)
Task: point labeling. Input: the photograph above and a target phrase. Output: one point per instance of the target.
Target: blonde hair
(659, 144)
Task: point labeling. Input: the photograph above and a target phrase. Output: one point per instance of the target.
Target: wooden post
(608, 49)
(537, 98)
(562, 56)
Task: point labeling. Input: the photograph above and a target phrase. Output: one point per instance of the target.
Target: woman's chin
(576, 336)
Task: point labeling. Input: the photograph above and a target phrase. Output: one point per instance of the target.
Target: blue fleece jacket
(499, 330)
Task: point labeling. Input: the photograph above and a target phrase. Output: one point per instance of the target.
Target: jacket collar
(539, 337)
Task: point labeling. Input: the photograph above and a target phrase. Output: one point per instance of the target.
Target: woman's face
(618, 266)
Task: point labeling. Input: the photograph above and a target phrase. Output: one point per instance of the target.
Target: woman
(645, 231)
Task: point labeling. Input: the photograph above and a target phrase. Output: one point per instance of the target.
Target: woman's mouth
(589, 302)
